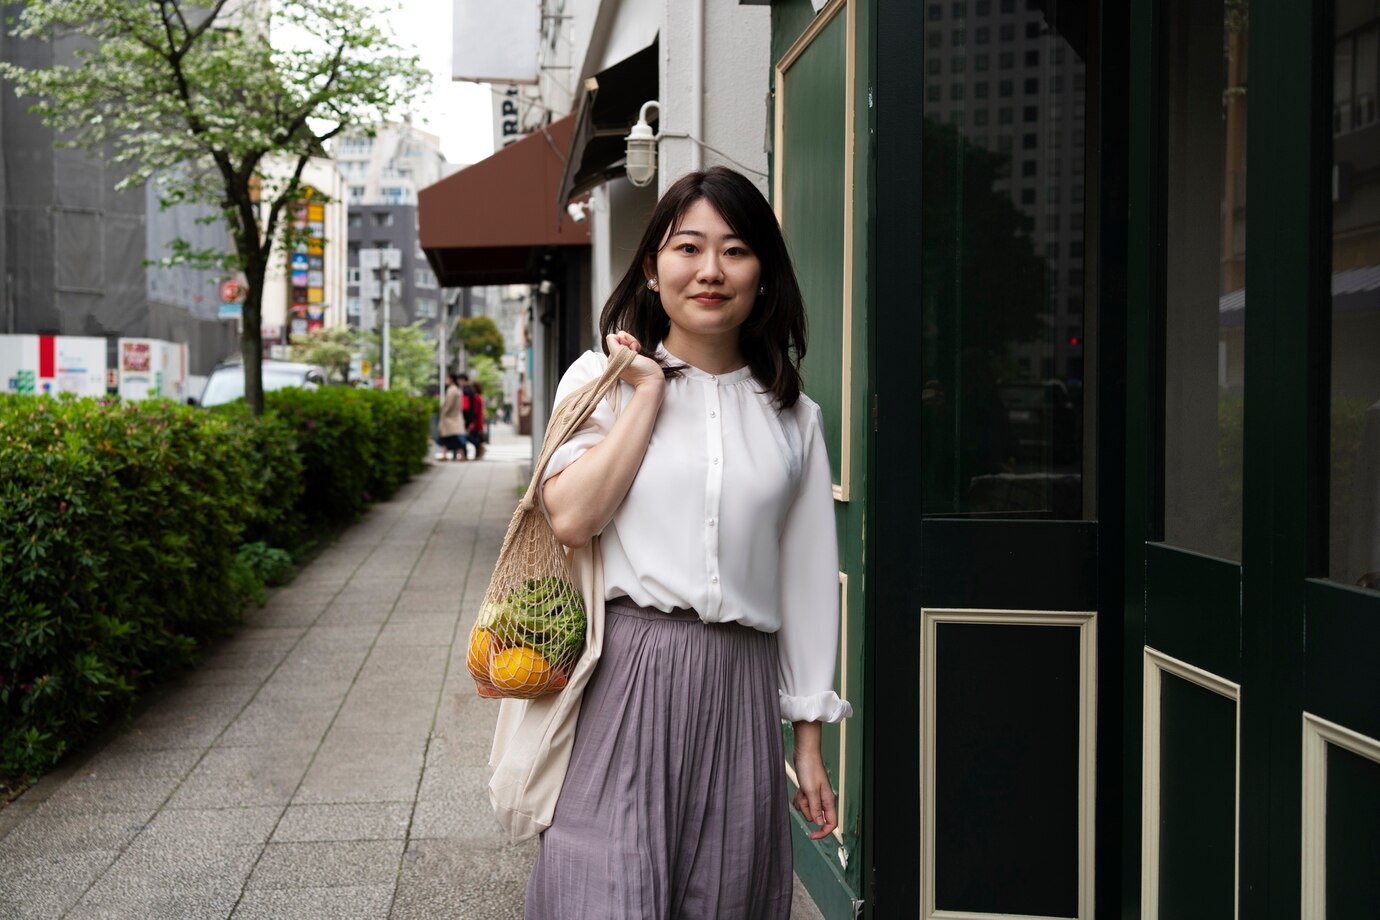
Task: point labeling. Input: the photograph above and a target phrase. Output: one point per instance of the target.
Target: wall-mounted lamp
(641, 161)
(578, 211)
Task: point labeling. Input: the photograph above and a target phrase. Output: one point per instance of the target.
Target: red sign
(231, 292)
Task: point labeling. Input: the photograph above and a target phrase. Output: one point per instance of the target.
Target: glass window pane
(1003, 344)
(1205, 270)
(1354, 516)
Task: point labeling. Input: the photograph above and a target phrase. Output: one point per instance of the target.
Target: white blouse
(731, 514)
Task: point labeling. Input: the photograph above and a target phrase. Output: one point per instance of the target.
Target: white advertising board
(496, 41)
(151, 368)
(52, 364)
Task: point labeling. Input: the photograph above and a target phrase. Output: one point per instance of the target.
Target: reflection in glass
(1205, 271)
(1354, 522)
(1002, 289)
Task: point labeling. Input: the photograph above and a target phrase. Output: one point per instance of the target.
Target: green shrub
(130, 533)
(118, 531)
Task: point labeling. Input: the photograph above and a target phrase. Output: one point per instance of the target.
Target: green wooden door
(986, 477)
(817, 173)
(1252, 428)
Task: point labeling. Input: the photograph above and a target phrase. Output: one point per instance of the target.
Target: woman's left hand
(815, 797)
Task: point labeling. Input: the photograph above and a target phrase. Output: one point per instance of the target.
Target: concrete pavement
(328, 760)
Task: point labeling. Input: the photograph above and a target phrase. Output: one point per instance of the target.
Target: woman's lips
(709, 298)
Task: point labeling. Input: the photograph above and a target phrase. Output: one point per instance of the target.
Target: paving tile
(273, 718)
(117, 763)
(327, 864)
(414, 666)
(395, 710)
(92, 795)
(356, 902)
(360, 779)
(51, 830)
(237, 776)
(226, 827)
(440, 879)
(328, 637)
(355, 615)
(150, 880)
(435, 633)
(283, 616)
(45, 886)
(363, 821)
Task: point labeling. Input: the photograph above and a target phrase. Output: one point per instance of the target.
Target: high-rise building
(382, 175)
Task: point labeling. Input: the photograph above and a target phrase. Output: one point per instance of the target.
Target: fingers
(816, 804)
(625, 339)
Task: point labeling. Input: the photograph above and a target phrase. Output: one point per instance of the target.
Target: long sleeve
(808, 639)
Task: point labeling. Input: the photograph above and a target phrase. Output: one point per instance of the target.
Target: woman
(477, 429)
(711, 488)
(451, 425)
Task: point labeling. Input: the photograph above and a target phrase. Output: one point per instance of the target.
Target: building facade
(383, 173)
(1105, 616)
(72, 249)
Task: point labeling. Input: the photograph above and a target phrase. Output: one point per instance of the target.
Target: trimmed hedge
(123, 532)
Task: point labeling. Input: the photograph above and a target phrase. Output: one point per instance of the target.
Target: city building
(72, 249)
(383, 171)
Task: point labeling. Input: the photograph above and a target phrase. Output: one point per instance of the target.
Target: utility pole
(387, 317)
(383, 261)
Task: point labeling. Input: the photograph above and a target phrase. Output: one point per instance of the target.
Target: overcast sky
(459, 112)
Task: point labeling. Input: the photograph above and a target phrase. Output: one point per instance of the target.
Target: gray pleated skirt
(674, 805)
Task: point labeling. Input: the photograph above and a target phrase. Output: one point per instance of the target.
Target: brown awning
(608, 108)
(492, 222)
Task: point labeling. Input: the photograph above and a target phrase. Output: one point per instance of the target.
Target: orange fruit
(520, 671)
(482, 646)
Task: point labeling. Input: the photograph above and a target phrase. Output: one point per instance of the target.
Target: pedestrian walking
(451, 425)
(478, 427)
(711, 487)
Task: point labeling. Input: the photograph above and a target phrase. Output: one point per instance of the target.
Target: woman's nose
(709, 268)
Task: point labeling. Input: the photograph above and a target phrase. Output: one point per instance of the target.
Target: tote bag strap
(573, 412)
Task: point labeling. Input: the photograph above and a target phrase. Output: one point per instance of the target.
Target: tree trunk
(251, 336)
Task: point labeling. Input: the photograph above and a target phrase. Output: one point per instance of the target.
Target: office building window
(425, 308)
(1032, 85)
(934, 92)
(979, 90)
(1006, 60)
(1032, 59)
(981, 62)
(957, 64)
(1028, 168)
(1006, 33)
(1004, 88)
(934, 66)
(956, 91)
(383, 218)
(1030, 113)
(934, 39)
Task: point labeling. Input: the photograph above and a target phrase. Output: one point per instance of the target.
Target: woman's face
(707, 277)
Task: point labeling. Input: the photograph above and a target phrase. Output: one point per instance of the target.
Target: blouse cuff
(818, 707)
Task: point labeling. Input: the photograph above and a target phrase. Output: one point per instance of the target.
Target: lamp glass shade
(641, 161)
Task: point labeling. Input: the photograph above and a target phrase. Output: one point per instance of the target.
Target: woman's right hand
(643, 371)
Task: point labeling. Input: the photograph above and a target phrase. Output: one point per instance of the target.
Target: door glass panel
(1354, 519)
(1002, 286)
(1205, 270)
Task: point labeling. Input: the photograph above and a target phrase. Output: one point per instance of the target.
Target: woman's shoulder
(582, 370)
(806, 413)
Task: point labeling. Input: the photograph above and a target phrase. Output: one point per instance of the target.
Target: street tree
(411, 357)
(332, 349)
(480, 336)
(193, 96)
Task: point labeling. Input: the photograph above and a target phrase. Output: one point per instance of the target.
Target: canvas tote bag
(534, 737)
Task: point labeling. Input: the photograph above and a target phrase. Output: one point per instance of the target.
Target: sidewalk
(328, 760)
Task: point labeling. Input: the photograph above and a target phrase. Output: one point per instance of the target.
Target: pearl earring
(762, 289)
(651, 284)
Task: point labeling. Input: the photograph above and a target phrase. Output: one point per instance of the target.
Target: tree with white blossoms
(191, 95)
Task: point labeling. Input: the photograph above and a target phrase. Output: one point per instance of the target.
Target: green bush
(132, 533)
(119, 526)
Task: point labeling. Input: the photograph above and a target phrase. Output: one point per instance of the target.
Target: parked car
(226, 383)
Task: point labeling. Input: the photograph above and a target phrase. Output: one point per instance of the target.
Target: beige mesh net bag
(531, 626)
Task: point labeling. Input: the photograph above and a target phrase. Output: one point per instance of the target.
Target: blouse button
(716, 461)
(714, 578)
(711, 522)
(713, 414)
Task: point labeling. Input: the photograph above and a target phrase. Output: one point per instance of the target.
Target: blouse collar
(742, 373)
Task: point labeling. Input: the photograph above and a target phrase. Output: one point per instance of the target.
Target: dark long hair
(773, 337)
